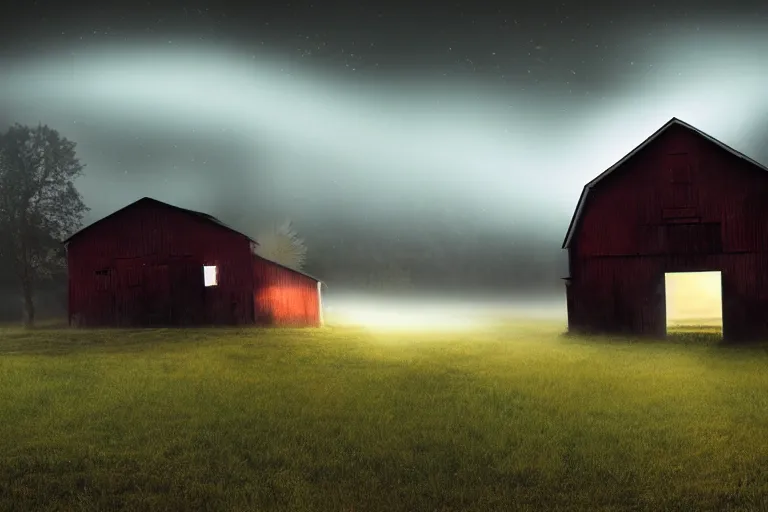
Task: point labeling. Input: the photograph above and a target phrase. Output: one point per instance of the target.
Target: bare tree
(39, 205)
(283, 245)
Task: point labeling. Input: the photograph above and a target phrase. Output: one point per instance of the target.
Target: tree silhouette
(283, 245)
(39, 205)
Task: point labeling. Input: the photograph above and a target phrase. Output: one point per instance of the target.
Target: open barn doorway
(694, 302)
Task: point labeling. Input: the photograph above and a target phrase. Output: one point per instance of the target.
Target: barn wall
(143, 266)
(626, 294)
(680, 204)
(284, 297)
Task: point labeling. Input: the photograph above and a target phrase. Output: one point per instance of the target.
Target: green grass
(339, 419)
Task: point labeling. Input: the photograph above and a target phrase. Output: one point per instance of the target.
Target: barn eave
(288, 268)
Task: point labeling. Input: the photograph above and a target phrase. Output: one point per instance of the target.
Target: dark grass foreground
(515, 418)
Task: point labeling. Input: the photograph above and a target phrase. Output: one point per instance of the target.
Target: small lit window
(210, 275)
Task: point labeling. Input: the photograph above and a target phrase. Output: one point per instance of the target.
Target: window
(210, 275)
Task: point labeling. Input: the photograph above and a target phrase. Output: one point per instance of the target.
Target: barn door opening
(694, 302)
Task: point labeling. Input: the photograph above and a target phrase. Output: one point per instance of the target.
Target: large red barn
(154, 264)
(680, 202)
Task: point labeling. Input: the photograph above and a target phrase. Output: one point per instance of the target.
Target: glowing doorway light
(210, 275)
(694, 299)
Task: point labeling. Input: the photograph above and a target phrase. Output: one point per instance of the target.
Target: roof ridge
(202, 215)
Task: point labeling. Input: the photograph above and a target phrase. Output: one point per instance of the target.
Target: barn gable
(148, 201)
(674, 122)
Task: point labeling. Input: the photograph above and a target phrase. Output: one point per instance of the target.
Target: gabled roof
(148, 200)
(672, 122)
(200, 215)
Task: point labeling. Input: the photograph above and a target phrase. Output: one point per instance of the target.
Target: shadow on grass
(710, 336)
(688, 336)
(676, 337)
(691, 335)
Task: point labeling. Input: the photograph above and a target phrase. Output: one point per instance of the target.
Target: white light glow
(320, 302)
(694, 298)
(383, 318)
(488, 148)
(436, 314)
(210, 275)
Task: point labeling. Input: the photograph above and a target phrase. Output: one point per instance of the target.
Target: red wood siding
(682, 203)
(284, 297)
(626, 294)
(628, 211)
(144, 266)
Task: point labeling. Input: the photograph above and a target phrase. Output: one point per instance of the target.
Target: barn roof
(288, 268)
(672, 122)
(200, 215)
(149, 200)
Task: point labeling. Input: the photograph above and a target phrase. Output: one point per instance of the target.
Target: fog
(421, 312)
(452, 181)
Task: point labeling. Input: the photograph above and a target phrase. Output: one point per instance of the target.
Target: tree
(283, 245)
(39, 205)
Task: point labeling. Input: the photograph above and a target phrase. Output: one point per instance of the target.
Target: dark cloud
(451, 141)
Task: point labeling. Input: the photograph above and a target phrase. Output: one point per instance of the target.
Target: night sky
(451, 139)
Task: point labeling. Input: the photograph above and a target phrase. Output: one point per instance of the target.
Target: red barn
(154, 264)
(680, 202)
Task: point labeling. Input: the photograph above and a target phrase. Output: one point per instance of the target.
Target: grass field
(515, 417)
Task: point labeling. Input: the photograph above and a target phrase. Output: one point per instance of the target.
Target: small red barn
(680, 202)
(154, 264)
